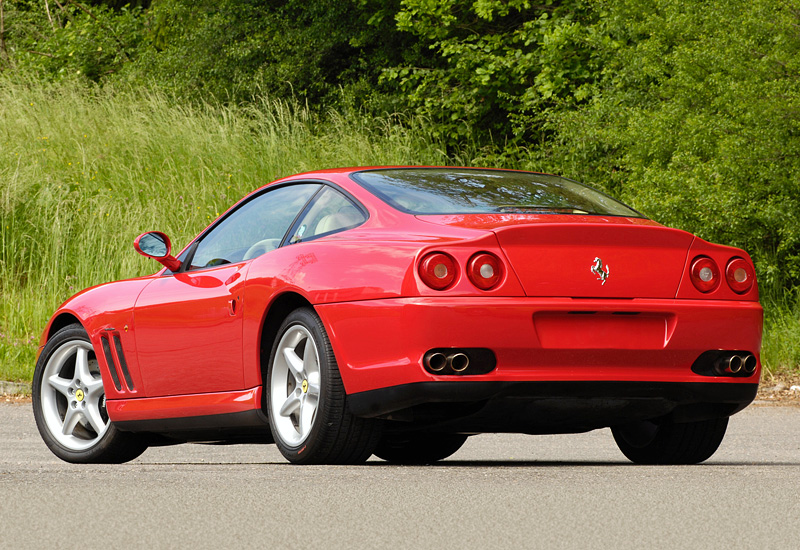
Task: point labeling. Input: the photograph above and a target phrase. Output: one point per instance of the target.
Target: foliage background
(689, 111)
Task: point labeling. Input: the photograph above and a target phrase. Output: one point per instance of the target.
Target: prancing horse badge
(600, 270)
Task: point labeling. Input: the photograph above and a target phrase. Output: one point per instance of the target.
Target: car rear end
(547, 320)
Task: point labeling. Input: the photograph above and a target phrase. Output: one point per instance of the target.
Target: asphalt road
(498, 491)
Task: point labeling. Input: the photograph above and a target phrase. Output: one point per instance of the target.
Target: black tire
(82, 444)
(418, 448)
(328, 434)
(646, 442)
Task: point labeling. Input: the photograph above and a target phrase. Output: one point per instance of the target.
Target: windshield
(473, 191)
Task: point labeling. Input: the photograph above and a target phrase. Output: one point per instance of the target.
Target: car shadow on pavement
(570, 463)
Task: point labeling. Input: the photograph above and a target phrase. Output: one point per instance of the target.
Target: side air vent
(123, 363)
(112, 367)
(116, 361)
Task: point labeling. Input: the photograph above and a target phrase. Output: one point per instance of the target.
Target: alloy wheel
(295, 385)
(73, 398)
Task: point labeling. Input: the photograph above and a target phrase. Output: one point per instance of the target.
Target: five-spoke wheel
(72, 396)
(69, 403)
(295, 385)
(306, 400)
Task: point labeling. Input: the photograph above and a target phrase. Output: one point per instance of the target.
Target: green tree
(498, 65)
(696, 121)
(71, 39)
(234, 49)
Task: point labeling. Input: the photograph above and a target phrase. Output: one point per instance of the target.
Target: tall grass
(780, 351)
(82, 172)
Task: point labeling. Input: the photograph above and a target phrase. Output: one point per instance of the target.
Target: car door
(188, 324)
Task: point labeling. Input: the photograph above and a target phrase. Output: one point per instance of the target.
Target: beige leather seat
(346, 216)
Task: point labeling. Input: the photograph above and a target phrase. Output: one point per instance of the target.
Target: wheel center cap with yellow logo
(79, 395)
(305, 386)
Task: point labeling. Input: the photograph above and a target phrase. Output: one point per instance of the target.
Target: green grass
(780, 350)
(82, 172)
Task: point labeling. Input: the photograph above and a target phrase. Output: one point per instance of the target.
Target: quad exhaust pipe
(437, 362)
(731, 364)
(735, 364)
(458, 362)
(749, 364)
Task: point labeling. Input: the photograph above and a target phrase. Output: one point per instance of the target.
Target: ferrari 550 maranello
(396, 312)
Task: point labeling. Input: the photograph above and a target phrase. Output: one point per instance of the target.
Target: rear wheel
(646, 442)
(418, 448)
(306, 400)
(69, 403)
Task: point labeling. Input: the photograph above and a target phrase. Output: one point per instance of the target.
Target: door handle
(232, 306)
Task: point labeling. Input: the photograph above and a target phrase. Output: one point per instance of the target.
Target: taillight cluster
(484, 270)
(705, 275)
(440, 271)
(740, 275)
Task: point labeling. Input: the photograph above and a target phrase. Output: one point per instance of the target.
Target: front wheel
(646, 442)
(69, 403)
(306, 401)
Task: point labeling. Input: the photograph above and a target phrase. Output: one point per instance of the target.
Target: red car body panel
(644, 261)
(175, 358)
(381, 343)
(106, 311)
(192, 341)
(125, 410)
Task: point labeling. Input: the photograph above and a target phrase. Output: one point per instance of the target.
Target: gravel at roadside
(779, 390)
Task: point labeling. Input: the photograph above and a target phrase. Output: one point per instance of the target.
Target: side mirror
(156, 245)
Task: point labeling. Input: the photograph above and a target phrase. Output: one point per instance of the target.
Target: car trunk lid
(588, 256)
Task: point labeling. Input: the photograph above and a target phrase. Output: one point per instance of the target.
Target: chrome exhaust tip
(733, 364)
(458, 362)
(435, 362)
(729, 365)
(749, 363)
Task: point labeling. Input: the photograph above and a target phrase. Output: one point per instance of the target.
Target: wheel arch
(280, 308)
(62, 320)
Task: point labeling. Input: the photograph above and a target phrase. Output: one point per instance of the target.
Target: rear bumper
(381, 343)
(548, 407)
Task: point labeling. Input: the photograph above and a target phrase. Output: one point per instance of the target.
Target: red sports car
(397, 311)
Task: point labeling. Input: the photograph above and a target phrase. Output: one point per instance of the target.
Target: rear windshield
(462, 191)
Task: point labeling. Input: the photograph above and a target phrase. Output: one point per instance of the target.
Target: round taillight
(485, 270)
(438, 270)
(705, 274)
(740, 275)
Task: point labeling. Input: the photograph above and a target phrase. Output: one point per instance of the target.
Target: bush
(497, 66)
(76, 41)
(695, 121)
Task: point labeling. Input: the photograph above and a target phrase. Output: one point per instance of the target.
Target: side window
(254, 228)
(330, 212)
